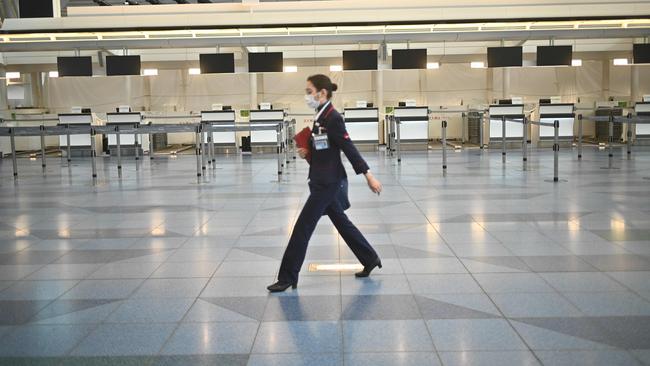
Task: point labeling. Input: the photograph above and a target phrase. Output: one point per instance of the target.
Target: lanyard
(320, 139)
(321, 111)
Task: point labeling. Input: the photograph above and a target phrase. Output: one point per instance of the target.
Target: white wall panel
(452, 83)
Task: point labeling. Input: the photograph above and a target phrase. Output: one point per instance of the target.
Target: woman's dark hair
(321, 82)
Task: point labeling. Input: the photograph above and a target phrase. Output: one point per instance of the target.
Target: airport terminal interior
(150, 182)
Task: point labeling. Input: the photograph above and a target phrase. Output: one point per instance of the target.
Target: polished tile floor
(488, 265)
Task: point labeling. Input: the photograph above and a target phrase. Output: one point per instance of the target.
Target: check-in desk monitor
(75, 119)
(362, 124)
(220, 118)
(642, 109)
(261, 117)
(514, 130)
(126, 119)
(563, 113)
(414, 123)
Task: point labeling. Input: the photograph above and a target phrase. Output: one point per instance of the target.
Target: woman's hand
(302, 152)
(373, 183)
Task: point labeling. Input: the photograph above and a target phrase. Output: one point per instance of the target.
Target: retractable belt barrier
(630, 120)
(523, 121)
(524, 144)
(395, 135)
(196, 128)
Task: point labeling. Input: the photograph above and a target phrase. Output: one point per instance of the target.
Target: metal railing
(92, 130)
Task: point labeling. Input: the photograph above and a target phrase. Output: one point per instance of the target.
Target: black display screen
(265, 62)
(35, 8)
(410, 59)
(360, 60)
(641, 53)
(554, 55)
(216, 63)
(122, 65)
(75, 66)
(505, 56)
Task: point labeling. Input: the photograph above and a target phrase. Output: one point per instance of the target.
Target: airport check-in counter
(123, 120)
(220, 118)
(497, 113)
(265, 117)
(642, 109)
(362, 124)
(78, 142)
(564, 114)
(414, 123)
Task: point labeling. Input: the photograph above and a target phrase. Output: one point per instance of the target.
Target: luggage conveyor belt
(36, 153)
(197, 128)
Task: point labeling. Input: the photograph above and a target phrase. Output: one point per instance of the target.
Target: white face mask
(311, 101)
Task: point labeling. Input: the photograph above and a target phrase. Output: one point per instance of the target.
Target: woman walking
(327, 186)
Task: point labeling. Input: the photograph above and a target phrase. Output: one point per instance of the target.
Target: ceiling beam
(304, 40)
(330, 13)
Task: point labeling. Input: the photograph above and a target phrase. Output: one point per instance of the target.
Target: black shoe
(281, 286)
(366, 270)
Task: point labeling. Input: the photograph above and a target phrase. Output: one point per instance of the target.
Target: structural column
(605, 81)
(505, 94)
(128, 92)
(5, 147)
(379, 98)
(489, 85)
(634, 94)
(56, 8)
(37, 90)
(253, 90)
(634, 84)
(3, 90)
(489, 96)
(506, 83)
(253, 99)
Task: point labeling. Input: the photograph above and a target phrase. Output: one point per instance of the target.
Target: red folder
(302, 140)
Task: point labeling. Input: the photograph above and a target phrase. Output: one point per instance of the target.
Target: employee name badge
(321, 142)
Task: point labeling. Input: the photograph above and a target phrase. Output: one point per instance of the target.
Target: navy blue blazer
(326, 165)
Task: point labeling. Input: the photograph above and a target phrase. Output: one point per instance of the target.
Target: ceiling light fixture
(620, 61)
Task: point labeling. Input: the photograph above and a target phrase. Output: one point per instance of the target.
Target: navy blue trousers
(322, 200)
